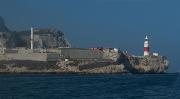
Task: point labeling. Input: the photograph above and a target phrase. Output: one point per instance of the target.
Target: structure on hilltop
(47, 50)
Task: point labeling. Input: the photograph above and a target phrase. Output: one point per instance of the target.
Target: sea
(90, 86)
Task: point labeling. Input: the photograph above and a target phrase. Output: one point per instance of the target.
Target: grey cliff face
(43, 38)
(3, 27)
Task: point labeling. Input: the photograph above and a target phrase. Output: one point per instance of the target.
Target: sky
(109, 23)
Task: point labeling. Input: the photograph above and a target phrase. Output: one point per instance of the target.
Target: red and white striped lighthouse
(146, 46)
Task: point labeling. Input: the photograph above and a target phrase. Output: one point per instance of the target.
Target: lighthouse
(146, 46)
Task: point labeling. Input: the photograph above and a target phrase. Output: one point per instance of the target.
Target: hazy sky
(109, 23)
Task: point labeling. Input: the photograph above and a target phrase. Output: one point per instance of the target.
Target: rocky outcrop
(147, 64)
(3, 27)
(44, 67)
(43, 38)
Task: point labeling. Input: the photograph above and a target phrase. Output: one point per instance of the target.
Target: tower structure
(32, 38)
(146, 47)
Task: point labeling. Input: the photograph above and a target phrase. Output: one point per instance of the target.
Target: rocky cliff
(144, 64)
(3, 27)
(43, 38)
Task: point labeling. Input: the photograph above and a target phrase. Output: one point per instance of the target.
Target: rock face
(150, 64)
(43, 38)
(51, 67)
(3, 27)
(144, 64)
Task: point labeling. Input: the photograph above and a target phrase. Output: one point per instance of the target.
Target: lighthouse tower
(146, 46)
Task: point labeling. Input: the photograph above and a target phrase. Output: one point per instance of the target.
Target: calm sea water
(79, 86)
